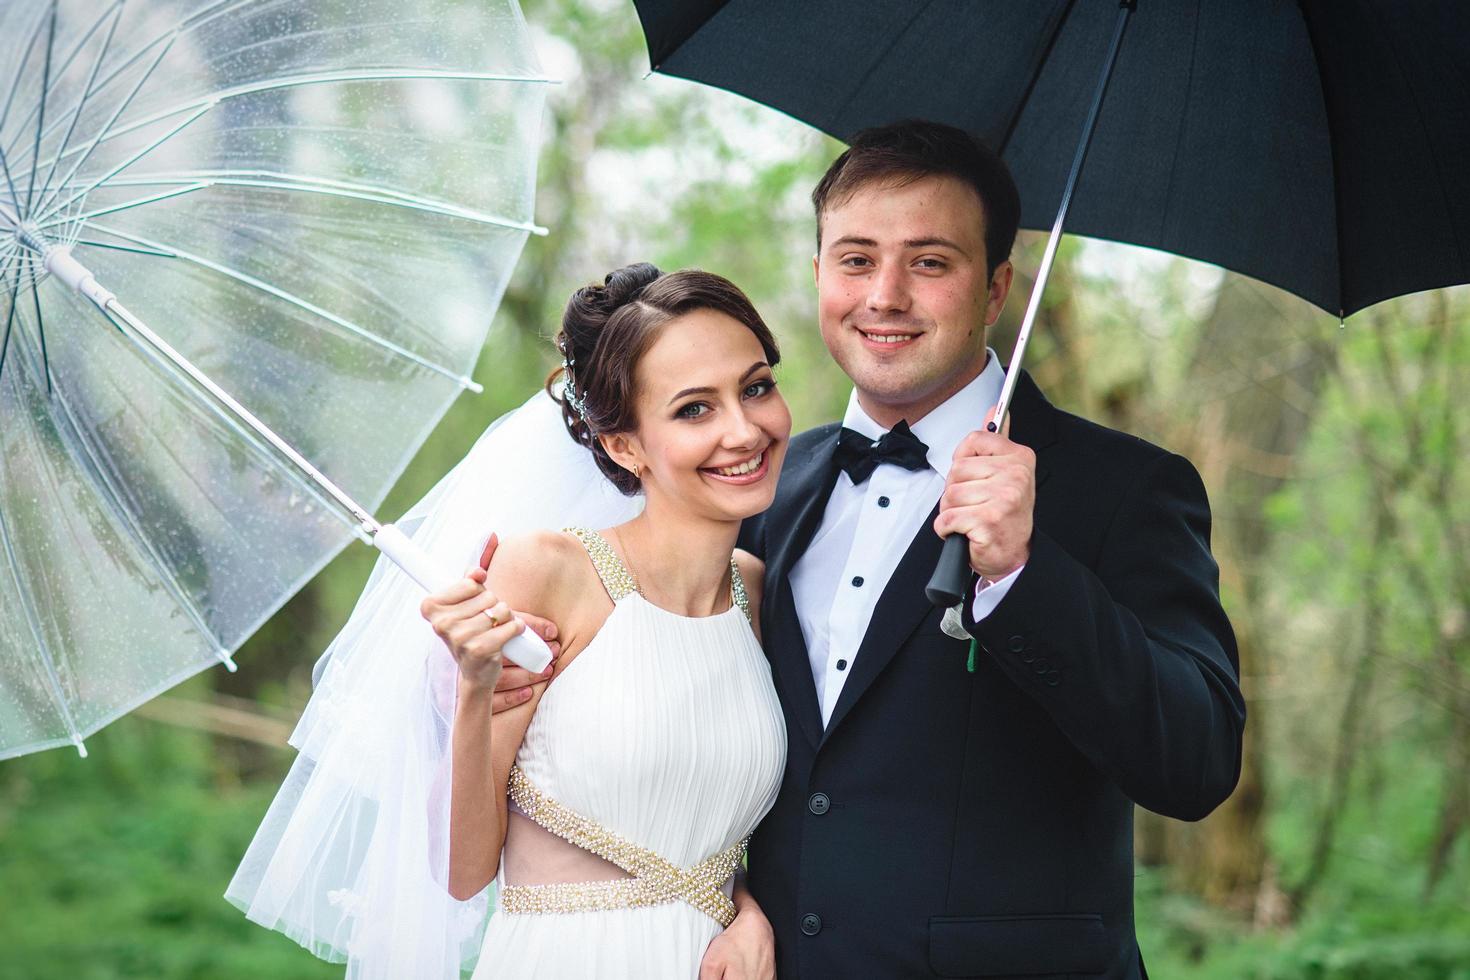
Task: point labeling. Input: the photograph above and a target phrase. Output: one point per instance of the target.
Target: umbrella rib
(893, 40)
(41, 333)
(76, 114)
(104, 486)
(66, 219)
(9, 316)
(1439, 183)
(52, 209)
(41, 119)
(194, 20)
(20, 70)
(66, 63)
(86, 152)
(270, 180)
(53, 679)
(1031, 83)
(139, 250)
(281, 294)
(294, 81)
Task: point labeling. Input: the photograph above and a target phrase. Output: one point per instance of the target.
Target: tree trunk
(1247, 402)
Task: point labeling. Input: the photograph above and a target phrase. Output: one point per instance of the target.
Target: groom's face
(903, 295)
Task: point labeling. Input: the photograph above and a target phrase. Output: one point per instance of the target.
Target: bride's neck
(681, 560)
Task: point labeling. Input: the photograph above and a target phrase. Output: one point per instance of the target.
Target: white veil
(351, 860)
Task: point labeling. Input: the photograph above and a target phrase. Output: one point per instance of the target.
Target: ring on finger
(495, 619)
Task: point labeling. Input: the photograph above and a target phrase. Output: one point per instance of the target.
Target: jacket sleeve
(1133, 658)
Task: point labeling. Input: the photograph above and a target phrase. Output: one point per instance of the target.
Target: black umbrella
(1320, 146)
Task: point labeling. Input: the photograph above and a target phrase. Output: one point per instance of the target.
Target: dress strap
(737, 589)
(619, 581)
(615, 576)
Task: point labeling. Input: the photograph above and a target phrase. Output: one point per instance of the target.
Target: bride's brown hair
(605, 331)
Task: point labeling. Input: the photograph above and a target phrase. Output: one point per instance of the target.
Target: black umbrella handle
(951, 574)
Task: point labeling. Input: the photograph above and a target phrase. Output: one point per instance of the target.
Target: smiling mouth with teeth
(749, 466)
(896, 338)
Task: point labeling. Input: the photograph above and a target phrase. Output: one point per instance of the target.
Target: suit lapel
(800, 503)
(903, 605)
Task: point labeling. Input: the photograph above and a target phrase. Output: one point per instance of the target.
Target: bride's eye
(691, 411)
(757, 388)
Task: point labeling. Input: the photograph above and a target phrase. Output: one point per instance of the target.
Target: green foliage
(115, 866)
(1344, 558)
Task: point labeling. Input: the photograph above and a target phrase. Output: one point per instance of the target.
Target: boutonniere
(953, 625)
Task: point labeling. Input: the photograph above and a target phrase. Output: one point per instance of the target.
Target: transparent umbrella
(310, 207)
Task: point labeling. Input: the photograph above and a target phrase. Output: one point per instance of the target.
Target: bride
(609, 811)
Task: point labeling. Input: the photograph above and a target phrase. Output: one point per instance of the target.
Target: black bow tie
(859, 455)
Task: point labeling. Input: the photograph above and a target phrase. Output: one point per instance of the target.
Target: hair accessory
(569, 388)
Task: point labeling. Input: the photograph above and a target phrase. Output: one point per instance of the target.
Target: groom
(950, 810)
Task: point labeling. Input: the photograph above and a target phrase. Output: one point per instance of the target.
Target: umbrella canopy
(1318, 146)
(318, 203)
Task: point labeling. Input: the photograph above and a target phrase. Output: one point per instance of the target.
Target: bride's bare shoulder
(540, 571)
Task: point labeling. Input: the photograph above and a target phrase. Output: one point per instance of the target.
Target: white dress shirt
(867, 527)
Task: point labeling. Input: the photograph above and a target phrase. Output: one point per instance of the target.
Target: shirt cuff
(989, 594)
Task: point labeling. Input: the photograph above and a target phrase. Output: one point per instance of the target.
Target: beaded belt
(654, 881)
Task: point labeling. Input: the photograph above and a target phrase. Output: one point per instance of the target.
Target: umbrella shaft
(1033, 306)
(60, 263)
(158, 344)
(951, 577)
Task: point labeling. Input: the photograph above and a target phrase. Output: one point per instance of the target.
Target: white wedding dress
(659, 749)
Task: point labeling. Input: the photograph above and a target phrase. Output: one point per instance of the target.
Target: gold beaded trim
(620, 582)
(655, 881)
(737, 589)
(615, 576)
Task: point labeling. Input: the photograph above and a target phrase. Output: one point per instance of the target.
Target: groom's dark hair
(903, 152)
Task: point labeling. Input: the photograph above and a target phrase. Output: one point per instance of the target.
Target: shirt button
(842, 665)
(883, 501)
(819, 804)
(857, 581)
(811, 924)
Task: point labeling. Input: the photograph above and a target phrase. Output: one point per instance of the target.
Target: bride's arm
(525, 574)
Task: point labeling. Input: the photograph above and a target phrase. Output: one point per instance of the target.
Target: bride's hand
(475, 625)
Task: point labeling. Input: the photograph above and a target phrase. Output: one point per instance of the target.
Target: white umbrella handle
(526, 649)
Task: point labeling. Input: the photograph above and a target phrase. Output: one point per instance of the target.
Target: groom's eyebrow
(706, 390)
(908, 243)
(931, 242)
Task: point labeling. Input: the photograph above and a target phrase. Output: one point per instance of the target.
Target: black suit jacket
(958, 824)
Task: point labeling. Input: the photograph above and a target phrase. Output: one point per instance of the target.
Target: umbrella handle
(525, 649)
(951, 578)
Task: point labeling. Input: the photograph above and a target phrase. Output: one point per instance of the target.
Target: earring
(637, 471)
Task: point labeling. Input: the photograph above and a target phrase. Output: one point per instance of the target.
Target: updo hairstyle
(605, 332)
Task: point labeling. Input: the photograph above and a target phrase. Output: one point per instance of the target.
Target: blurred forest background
(1335, 459)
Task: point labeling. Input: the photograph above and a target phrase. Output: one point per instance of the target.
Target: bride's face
(712, 428)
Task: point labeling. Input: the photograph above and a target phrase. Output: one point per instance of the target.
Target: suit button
(1053, 678)
(811, 924)
(1042, 666)
(1017, 644)
(819, 803)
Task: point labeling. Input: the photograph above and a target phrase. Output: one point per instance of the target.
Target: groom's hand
(746, 950)
(989, 498)
(514, 686)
